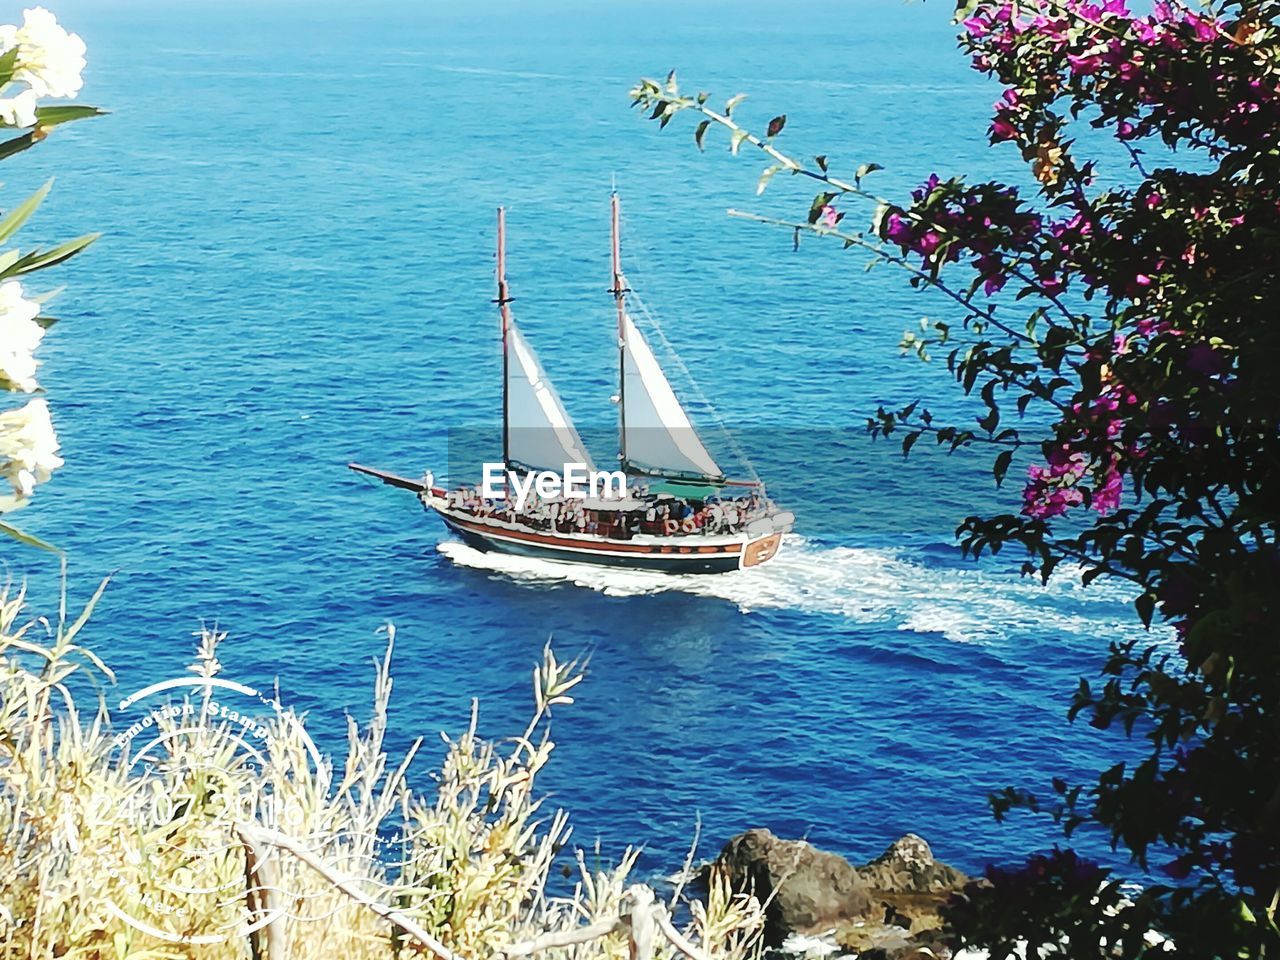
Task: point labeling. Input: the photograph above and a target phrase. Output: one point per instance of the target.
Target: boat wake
(968, 603)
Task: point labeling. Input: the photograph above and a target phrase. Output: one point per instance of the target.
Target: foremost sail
(540, 435)
(657, 436)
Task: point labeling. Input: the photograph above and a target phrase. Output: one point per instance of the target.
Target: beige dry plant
(213, 850)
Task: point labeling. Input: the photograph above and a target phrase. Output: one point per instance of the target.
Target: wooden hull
(679, 554)
(667, 554)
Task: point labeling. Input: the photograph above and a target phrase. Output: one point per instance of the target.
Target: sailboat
(669, 507)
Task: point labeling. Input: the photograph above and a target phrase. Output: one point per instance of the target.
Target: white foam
(797, 944)
(865, 585)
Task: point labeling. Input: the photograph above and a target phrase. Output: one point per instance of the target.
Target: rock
(911, 885)
(908, 867)
(885, 910)
(806, 890)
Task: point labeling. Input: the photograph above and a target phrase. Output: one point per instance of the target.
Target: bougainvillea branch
(1136, 315)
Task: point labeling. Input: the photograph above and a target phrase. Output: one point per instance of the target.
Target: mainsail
(540, 435)
(657, 436)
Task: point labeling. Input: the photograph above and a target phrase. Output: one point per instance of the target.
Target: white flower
(19, 111)
(19, 336)
(28, 447)
(17, 316)
(49, 59)
(18, 371)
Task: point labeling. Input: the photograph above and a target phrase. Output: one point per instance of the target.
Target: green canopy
(692, 489)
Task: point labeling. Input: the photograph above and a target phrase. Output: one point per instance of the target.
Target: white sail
(657, 433)
(540, 434)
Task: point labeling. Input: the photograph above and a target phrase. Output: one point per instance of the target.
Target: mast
(619, 295)
(504, 309)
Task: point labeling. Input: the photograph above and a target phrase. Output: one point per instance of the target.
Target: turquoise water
(297, 272)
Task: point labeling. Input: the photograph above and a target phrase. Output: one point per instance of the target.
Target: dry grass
(104, 856)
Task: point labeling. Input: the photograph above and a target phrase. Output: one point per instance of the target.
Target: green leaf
(700, 134)
(671, 86)
(18, 144)
(877, 219)
(643, 91)
(1145, 605)
(733, 102)
(39, 259)
(766, 177)
(8, 61)
(776, 125)
(1001, 466)
(19, 215)
(821, 161)
(736, 141)
(866, 168)
(65, 113)
(69, 633)
(28, 539)
(43, 298)
(820, 201)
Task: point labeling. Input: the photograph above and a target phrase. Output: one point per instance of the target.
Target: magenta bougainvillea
(1125, 300)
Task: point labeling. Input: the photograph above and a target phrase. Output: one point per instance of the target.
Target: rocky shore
(887, 909)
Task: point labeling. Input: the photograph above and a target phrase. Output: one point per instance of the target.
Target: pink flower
(929, 243)
(1042, 502)
(897, 229)
(991, 269)
(1106, 497)
(1002, 129)
(829, 216)
(1144, 32)
(1204, 30)
(1083, 65)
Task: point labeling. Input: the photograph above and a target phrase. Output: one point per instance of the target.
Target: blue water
(297, 272)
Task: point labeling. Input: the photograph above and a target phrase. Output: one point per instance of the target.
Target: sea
(296, 271)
